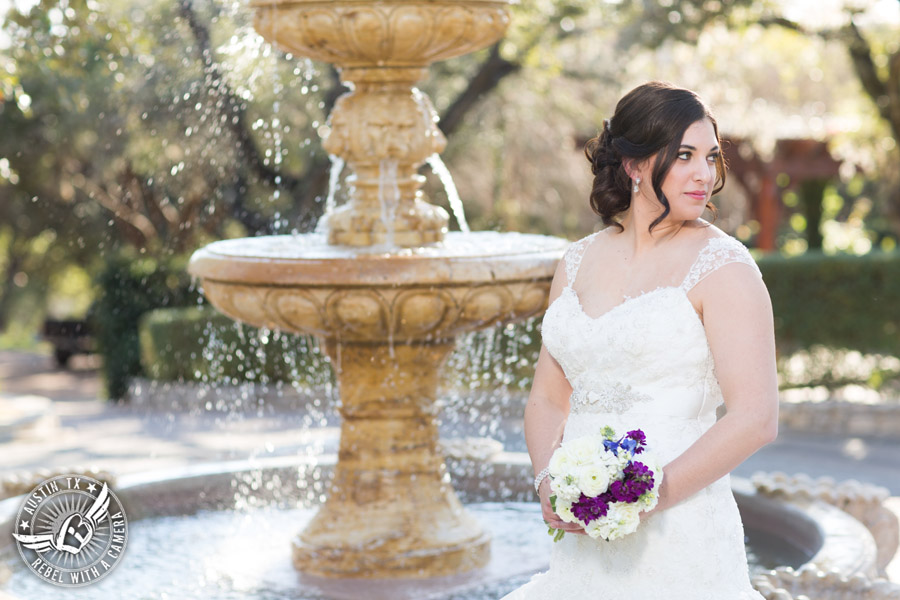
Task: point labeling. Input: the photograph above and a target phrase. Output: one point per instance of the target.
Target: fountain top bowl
(388, 33)
(308, 259)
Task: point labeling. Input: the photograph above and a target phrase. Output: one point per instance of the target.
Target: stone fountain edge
(846, 545)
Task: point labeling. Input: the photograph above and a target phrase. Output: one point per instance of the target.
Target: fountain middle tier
(388, 319)
(304, 285)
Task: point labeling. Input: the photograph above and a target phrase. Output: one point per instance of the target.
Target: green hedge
(201, 344)
(849, 302)
(128, 289)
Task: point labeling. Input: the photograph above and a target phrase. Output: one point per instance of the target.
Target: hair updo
(650, 119)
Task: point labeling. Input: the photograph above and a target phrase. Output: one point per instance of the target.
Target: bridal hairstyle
(650, 118)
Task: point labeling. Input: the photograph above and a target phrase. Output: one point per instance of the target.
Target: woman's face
(691, 177)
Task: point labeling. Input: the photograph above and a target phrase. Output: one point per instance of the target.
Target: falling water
(440, 169)
(437, 165)
(277, 134)
(388, 197)
(334, 182)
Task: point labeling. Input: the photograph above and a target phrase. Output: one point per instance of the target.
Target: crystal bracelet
(540, 478)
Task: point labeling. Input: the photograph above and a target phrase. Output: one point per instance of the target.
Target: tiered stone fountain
(389, 289)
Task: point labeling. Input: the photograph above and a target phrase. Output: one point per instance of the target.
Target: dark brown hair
(650, 119)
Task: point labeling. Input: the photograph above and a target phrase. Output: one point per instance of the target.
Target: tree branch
(893, 90)
(885, 94)
(861, 54)
(135, 226)
(303, 188)
(13, 264)
(231, 105)
(774, 20)
(489, 75)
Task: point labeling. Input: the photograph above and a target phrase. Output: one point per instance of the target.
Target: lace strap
(718, 252)
(573, 255)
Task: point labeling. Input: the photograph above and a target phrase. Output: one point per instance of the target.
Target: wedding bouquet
(597, 482)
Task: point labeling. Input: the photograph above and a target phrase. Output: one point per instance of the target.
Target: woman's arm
(546, 413)
(737, 316)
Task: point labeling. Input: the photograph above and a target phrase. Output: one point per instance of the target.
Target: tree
(876, 62)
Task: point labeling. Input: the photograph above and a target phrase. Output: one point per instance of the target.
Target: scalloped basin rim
(480, 257)
(836, 538)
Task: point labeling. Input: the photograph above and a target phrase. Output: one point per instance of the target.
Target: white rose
(564, 510)
(561, 463)
(593, 479)
(585, 450)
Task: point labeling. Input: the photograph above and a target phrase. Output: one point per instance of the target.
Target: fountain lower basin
(220, 531)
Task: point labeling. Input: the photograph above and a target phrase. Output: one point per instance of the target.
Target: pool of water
(236, 555)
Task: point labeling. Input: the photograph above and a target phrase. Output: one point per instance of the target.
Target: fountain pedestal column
(391, 511)
(385, 129)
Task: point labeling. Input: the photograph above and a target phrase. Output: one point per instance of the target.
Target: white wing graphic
(99, 510)
(39, 543)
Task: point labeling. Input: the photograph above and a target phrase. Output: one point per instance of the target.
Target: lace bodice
(652, 343)
(646, 364)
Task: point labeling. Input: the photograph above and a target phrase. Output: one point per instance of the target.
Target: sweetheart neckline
(628, 300)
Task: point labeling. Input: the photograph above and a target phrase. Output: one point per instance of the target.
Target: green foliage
(842, 301)
(172, 341)
(116, 135)
(202, 344)
(128, 289)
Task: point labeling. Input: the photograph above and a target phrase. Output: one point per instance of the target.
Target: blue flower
(612, 446)
(628, 444)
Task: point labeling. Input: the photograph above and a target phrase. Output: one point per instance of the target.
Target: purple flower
(589, 509)
(637, 470)
(628, 490)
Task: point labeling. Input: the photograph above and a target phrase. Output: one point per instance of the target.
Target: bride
(653, 323)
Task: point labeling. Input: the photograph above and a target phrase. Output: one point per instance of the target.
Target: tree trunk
(811, 193)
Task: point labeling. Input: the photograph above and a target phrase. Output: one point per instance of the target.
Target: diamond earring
(636, 182)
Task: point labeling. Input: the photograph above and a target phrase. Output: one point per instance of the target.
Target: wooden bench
(68, 337)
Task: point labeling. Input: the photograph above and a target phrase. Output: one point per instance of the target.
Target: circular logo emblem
(71, 530)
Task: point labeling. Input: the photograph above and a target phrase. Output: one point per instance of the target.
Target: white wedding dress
(646, 364)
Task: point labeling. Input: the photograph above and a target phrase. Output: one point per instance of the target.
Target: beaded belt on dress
(605, 397)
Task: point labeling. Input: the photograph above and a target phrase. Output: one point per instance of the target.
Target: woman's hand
(551, 518)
